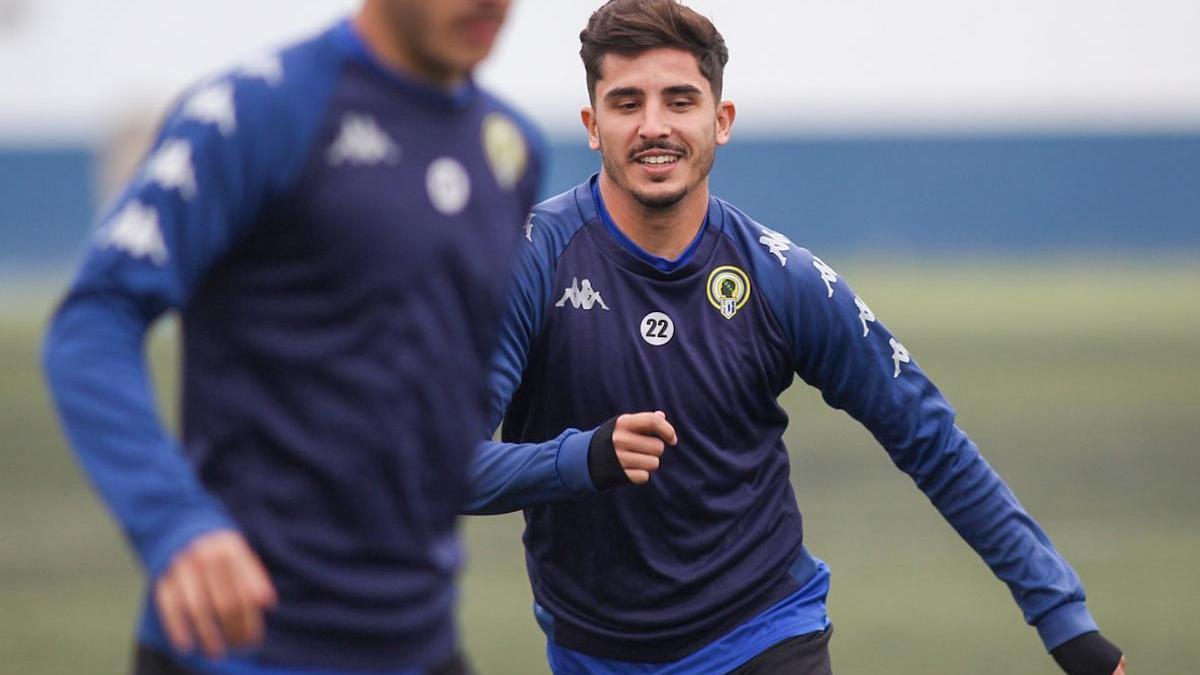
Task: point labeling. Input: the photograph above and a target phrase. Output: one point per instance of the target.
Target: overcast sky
(76, 68)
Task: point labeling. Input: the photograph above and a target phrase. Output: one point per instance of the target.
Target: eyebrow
(674, 90)
(682, 90)
(622, 92)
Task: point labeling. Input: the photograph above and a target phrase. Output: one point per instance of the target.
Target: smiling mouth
(657, 160)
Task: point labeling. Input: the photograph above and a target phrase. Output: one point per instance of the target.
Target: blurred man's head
(654, 71)
(436, 40)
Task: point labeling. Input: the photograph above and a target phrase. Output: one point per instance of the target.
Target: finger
(220, 580)
(638, 477)
(630, 442)
(171, 613)
(256, 591)
(637, 460)
(198, 609)
(259, 581)
(649, 424)
(1120, 667)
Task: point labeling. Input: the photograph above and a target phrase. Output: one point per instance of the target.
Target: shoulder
(266, 100)
(775, 260)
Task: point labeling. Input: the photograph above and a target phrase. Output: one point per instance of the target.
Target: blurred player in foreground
(334, 223)
(637, 291)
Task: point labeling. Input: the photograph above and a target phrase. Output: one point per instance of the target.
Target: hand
(640, 440)
(215, 590)
(1120, 667)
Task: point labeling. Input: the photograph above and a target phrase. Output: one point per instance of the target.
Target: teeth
(658, 159)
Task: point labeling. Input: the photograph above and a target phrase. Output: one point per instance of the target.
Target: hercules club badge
(728, 289)
(504, 147)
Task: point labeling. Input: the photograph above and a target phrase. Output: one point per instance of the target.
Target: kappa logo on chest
(581, 295)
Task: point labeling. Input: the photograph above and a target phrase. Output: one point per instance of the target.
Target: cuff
(603, 465)
(572, 462)
(1065, 622)
(158, 556)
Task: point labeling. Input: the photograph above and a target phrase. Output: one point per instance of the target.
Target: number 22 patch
(656, 328)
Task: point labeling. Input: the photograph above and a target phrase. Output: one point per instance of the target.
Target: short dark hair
(630, 27)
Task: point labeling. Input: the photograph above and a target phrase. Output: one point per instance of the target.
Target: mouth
(656, 159)
(481, 29)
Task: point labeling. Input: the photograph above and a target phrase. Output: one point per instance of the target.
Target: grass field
(1079, 380)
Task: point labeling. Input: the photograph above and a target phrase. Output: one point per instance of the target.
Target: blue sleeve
(860, 367)
(219, 156)
(511, 476)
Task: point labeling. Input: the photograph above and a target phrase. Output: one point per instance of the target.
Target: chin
(662, 199)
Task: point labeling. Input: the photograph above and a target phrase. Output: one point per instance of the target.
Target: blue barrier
(1043, 193)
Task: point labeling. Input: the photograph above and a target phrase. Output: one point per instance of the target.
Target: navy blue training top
(651, 573)
(337, 240)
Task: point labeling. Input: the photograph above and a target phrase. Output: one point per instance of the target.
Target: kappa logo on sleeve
(170, 167)
(864, 314)
(213, 104)
(265, 66)
(581, 295)
(899, 355)
(134, 229)
(777, 244)
(827, 274)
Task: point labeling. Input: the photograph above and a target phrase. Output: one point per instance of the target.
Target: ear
(726, 111)
(588, 116)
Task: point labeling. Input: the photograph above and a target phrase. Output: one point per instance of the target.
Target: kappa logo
(134, 230)
(170, 167)
(361, 142)
(581, 295)
(777, 244)
(213, 104)
(728, 289)
(899, 355)
(263, 66)
(827, 274)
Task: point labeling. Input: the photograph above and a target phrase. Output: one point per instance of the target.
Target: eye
(627, 106)
(681, 104)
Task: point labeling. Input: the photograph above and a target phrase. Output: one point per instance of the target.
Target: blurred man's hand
(214, 592)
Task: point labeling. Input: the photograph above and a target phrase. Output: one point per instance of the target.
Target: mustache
(657, 144)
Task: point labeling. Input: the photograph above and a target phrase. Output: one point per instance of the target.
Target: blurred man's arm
(198, 188)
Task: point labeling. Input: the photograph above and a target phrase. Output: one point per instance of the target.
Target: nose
(655, 122)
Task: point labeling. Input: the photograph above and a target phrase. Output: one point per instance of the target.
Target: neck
(665, 233)
(374, 26)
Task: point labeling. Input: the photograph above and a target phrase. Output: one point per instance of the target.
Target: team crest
(504, 146)
(728, 289)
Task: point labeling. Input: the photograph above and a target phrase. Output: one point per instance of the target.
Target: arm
(860, 367)
(195, 192)
(512, 476)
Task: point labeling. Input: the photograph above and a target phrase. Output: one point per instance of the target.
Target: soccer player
(649, 314)
(334, 223)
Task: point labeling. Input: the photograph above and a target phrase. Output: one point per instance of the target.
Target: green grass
(1079, 380)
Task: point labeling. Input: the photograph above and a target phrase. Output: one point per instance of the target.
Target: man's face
(656, 124)
(445, 39)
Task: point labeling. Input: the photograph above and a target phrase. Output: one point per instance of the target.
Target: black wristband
(603, 465)
(1087, 654)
